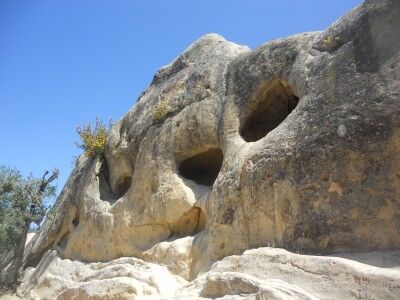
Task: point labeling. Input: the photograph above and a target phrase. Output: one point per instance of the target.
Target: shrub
(330, 41)
(93, 137)
(161, 111)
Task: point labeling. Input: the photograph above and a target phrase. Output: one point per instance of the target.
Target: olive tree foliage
(23, 202)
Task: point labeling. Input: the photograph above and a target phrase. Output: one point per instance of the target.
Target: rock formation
(293, 145)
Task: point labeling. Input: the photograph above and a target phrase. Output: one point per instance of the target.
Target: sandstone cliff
(294, 145)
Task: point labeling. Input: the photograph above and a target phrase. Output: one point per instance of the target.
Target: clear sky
(62, 63)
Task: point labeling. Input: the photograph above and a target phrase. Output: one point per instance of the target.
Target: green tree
(22, 203)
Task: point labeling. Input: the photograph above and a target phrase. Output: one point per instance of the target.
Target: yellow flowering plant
(93, 137)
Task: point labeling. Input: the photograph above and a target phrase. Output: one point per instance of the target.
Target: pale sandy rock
(321, 276)
(386, 259)
(29, 237)
(263, 273)
(124, 278)
(294, 144)
(228, 284)
(273, 273)
(175, 254)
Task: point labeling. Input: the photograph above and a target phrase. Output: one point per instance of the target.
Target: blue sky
(62, 63)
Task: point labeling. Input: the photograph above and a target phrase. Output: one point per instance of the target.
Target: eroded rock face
(123, 278)
(294, 144)
(263, 273)
(271, 273)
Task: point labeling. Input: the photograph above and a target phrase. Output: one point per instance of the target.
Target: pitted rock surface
(295, 144)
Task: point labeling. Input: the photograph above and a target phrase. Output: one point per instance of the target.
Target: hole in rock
(202, 168)
(75, 221)
(122, 185)
(272, 104)
(63, 241)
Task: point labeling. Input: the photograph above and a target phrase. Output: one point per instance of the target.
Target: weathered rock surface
(284, 275)
(294, 144)
(263, 273)
(123, 278)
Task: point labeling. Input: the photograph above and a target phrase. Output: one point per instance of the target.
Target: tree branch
(45, 182)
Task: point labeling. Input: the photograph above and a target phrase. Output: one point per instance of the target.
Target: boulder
(263, 273)
(294, 145)
(122, 278)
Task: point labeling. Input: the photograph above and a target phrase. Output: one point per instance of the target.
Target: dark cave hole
(107, 193)
(75, 221)
(122, 185)
(202, 168)
(273, 103)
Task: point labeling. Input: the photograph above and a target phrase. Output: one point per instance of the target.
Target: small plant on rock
(330, 41)
(161, 111)
(93, 137)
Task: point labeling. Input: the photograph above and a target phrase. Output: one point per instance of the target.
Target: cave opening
(270, 107)
(122, 185)
(107, 193)
(75, 221)
(202, 168)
